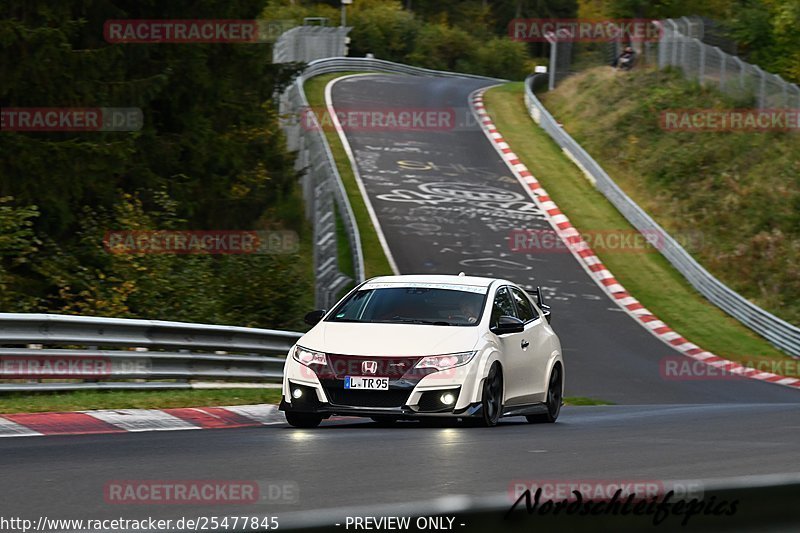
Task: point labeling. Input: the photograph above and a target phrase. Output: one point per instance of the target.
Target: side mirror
(546, 312)
(313, 318)
(508, 324)
(543, 306)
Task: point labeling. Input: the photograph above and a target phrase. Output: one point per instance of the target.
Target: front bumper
(328, 410)
(411, 394)
(404, 399)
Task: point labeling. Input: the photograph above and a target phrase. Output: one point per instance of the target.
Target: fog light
(448, 398)
(297, 393)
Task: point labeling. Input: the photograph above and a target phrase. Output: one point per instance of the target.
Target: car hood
(389, 339)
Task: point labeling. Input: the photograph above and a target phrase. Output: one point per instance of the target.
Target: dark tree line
(209, 156)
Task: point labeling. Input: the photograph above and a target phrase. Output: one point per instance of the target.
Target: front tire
(302, 420)
(491, 399)
(555, 395)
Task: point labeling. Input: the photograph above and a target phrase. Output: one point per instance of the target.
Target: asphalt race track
(437, 196)
(351, 464)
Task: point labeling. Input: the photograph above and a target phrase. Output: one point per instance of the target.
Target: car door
(513, 358)
(532, 365)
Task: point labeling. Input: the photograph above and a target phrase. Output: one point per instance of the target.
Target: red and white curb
(595, 267)
(138, 420)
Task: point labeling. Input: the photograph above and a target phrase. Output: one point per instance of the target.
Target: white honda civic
(399, 347)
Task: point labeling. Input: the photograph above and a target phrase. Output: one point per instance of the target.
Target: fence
(308, 43)
(681, 46)
(560, 57)
(779, 332)
(155, 353)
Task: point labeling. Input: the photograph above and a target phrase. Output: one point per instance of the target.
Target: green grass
(344, 255)
(375, 262)
(44, 402)
(647, 276)
(39, 402)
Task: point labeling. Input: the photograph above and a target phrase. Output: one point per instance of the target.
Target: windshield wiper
(417, 321)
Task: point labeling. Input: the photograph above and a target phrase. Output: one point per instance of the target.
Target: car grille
(367, 398)
(351, 365)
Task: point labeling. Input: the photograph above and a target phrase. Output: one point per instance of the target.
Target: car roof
(473, 281)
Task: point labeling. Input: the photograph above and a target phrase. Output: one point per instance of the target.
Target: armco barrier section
(77, 357)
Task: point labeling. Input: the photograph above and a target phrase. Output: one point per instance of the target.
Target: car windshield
(412, 305)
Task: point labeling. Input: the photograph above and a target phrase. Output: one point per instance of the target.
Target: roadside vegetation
(734, 195)
(210, 156)
(647, 276)
(458, 36)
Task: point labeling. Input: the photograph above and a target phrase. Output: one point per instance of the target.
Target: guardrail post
(702, 67)
(675, 36)
(741, 72)
(552, 39)
(762, 88)
(784, 91)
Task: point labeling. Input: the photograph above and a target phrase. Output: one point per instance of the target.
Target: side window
(503, 306)
(525, 310)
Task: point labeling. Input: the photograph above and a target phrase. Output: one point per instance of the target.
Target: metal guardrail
(157, 350)
(777, 331)
(345, 64)
(323, 190)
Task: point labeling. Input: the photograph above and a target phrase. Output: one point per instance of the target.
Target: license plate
(359, 382)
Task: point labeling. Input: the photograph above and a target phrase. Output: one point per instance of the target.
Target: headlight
(309, 357)
(443, 362)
